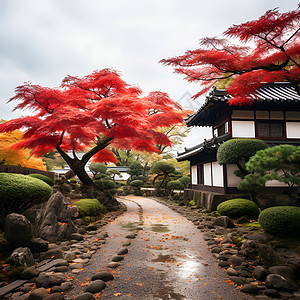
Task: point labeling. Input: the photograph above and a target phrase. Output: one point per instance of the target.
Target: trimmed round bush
(42, 177)
(175, 185)
(236, 150)
(105, 184)
(280, 220)
(236, 208)
(20, 192)
(185, 180)
(89, 207)
(137, 184)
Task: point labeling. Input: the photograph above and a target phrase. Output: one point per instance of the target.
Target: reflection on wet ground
(159, 228)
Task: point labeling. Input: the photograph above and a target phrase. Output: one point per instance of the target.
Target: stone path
(167, 259)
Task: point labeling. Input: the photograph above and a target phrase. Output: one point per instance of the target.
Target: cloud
(43, 41)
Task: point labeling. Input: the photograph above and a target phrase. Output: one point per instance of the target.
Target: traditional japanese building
(274, 117)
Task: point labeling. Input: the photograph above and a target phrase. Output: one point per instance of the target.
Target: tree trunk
(78, 166)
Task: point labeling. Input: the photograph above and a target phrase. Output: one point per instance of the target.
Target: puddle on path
(130, 225)
(164, 258)
(159, 228)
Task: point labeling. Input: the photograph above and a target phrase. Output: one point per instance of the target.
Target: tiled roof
(283, 92)
(211, 144)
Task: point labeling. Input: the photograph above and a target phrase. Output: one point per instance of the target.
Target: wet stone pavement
(167, 258)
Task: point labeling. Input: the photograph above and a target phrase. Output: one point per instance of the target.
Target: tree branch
(103, 144)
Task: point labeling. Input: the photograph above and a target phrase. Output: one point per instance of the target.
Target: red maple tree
(90, 113)
(266, 50)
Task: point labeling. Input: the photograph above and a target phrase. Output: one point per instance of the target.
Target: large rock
(38, 294)
(285, 271)
(22, 257)
(250, 247)
(54, 219)
(278, 282)
(223, 221)
(18, 231)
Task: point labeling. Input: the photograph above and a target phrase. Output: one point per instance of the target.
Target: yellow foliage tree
(17, 157)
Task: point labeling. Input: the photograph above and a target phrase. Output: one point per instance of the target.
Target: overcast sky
(42, 41)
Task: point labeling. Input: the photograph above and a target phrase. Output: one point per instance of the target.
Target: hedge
(236, 208)
(43, 178)
(20, 192)
(280, 220)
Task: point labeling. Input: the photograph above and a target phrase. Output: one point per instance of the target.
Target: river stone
(285, 271)
(86, 255)
(131, 236)
(250, 289)
(18, 231)
(105, 276)
(85, 296)
(81, 230)
(76, 237)
(42, 281)
(76, 266)
(38, 294)
(279, 283)
(30, 272)
(61, 269)
(272, 293)
(113, 265)
(122, 251)
(22, 257)
(238, 280)
(127, 243)
(51, 254)
(260, 273)
(117, 258)
(55, 296)
(53, 222)
(69, 255)
(235, 260)
(232, 272)
(91, 228)
(95, 286)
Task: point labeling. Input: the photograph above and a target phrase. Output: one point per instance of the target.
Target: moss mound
(89, 207)
(43, 178)
(280, 220)
(20, 192)
(236, 208)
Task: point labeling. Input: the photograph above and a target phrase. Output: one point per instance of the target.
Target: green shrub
(43, 178)
(238, 150)
(20, 192)
(185, 180)
(105, 184)
(175, 185)
(137, 184)
(237, 208)
(280, 220)
(89, 207)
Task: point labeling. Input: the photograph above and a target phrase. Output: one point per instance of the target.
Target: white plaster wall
(232, 179)
(242, 129)
(276, 182)
(293, 130)
(217, 172)
(194, 175)
(207, 174)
